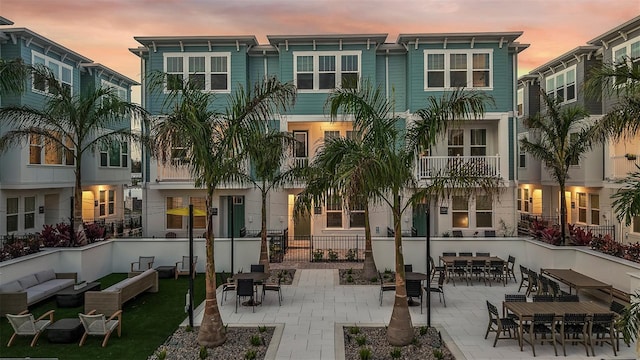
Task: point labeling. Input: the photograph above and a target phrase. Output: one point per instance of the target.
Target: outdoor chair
(554, 288)
(483, 254)
(272, 286)
(434, 269)
(408, 268)
(500, 325)
(24, 324)
(144, 263)
(574, 327)
(513, 298)
(182, 267)
(244, 288)
(602, 327)
(457, 233)
(479, 270)
(414, 290)
(460, 269)
(99, 325)
(543, 285)
(439, 288)
(619, 309)
(541, 324)
(229, 285)
(447, 254)
(465, 254)
(533, 283)
(385, 285)
(524, 280)
(496, 270)
(542, 298)
(511, 265)
(568, 298)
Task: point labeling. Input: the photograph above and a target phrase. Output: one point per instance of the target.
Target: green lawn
(147, 321)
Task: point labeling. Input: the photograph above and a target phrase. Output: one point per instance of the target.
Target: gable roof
(569, 56)
(110, 73)
(618, 31)
(31, 37)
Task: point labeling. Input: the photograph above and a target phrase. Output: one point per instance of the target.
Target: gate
(310, 248)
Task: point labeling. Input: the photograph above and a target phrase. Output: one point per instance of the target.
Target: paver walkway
(315, 302)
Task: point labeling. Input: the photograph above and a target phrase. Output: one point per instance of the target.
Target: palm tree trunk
(563, 214)
(264, 255)
(77, 202)
(369, 270)
(211, 331)
(400, 330)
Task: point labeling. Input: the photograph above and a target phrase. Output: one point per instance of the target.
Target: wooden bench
(111, 299)
(605, 295)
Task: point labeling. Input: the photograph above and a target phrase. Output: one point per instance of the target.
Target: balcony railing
(438, 166)
(623, 165)
(171, 172)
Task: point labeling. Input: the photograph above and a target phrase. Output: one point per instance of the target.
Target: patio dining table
(255, 276)
(525, 310)
(577, 280)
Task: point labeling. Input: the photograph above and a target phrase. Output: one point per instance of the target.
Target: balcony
(429, 167)
(180, 173)
(623, 165)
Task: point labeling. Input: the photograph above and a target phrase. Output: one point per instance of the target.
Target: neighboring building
(410, 70)
(37, 180)
(593, 179)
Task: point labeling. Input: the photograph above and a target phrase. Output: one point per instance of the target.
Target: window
(636, 224)
(478, 142)
(54, 154)
(107, 202)
(458, 68)
(562, 85)
(626, 54)
(62, 72)
(12, 214)
(334, 211)
(460, 212)
(199, 203)
(331, 135)
(115, 154)
(522, 155)
(456, 142)
(520, 102)
(29, 212)
(582, 207)
(594, 200)
(119, 91)
(519, 199)
(206, 72)
(484, 211)
(356, 214)
(525, 200)
(174, 221)
(323, 71)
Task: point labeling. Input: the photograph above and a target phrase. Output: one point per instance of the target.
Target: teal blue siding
(512, 154)
(398, 82)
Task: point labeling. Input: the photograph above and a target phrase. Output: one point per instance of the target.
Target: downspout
(514, 119)
(386, 73)
(143, 160)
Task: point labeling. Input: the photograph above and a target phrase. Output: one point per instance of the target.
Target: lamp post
(428, 238)
(191, 269)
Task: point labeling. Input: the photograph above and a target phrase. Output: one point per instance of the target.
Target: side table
(166, 272)
(65, 331)
(70, 297)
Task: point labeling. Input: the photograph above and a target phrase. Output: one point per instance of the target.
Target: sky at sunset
(103, 30)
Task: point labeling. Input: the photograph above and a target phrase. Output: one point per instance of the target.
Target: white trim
(316, 73)
(207, 67)
(563, 73)
(46, 62)
(447, 68)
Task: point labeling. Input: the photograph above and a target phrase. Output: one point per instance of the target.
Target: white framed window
(484, 211)
(520, 101)
(334, 211)
(45, 151)
(29, 212)
(174, 221)
(626, 54)
(115, 154)
(456, 142)
(594, 201)
(199, 203)
(322, 71)
(519, 199)
(62, 72)
(582, 207)
(478, 142)
(12, 214)
(525, 200)
(205, 71)
(107, 202)
(119, 91)
(460, 212)
(471, 68)
(356, 214)
(562, 85)
(331, 134)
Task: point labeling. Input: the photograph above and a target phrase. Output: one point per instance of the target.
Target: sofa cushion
(45, 275)
(47, 289)
(13, 286)
(28, 281)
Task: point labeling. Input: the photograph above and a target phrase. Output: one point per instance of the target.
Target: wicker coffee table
(70, 297)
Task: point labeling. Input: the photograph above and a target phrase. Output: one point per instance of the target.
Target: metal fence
(316, 248)
(524, 225)
(601, 230)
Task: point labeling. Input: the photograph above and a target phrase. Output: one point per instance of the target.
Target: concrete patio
(315, 307)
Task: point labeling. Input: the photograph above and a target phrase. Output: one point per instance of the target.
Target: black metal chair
(273, 287)
(511, 265)
(244, 289)
(408, 268)
(574, 327)
(541, 324)
(385, 286)
(500, 325)
(497, 271)
(460, 269)
(524, 278)
(602, 328)
(479, 269)
(414, 290)
(439, 288)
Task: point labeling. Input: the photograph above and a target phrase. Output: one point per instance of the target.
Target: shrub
(318, 254)
(333, 256)
(203, 353)
(396, 353)
(351, 255)
(262, 328)
(365, 354)
(354, 330)
(437, 353)
(256, 340)
(361, 340)
(251, 354)
(423, 330)
(577, 236)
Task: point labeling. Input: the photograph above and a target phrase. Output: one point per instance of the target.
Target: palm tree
(73, 125)
(267, 149)
(12, 75)
(215, 155)
(564, 139)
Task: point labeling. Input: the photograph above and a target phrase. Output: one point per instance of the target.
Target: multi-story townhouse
(593, 179)
(409, 71)
(36, 179)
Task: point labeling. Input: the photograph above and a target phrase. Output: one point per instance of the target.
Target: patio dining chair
(511, 264)
(144, 263)
(273, 286)
(385, 285)
(497, 271)
(541, 324)
(244, 288)
(619, 309)
(574, 327)
(602, 327)
(457, 233)
(542, 298)
(568, 298)
(483, 254)
(533, 283)
(479, 270)
(543, 285)
(500, 325)
(439, 288)
(182, 267)
(524, 278)
(466, 253)
(24, 324)
(513, 298)
(414, 290)
(229, 285)
(408, 268)
(99, 325)
(460, 270)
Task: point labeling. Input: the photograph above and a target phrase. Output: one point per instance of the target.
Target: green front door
(237, 215)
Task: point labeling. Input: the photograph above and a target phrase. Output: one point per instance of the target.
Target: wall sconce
(95, 203)
(530, 199)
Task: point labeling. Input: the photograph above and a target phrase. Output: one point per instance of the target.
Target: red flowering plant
(578, 236)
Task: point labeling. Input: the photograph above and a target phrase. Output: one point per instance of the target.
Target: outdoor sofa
(17, 295)
(111, 299)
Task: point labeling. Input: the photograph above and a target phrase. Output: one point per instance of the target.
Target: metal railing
(432, 166)
(599, 230)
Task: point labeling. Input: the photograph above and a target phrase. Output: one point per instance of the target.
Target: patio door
(235, 214)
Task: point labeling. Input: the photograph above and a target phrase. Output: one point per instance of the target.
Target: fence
(602, 230)
(524, 225)
(316, 248)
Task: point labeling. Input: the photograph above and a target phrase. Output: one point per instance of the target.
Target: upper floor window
(520, 102)
(115, 154)
(206, 72)
(119, 91)
(323, 71)
(626, 54)
(458, 68)
(562, 85)
(43, 150)
(61, 71)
